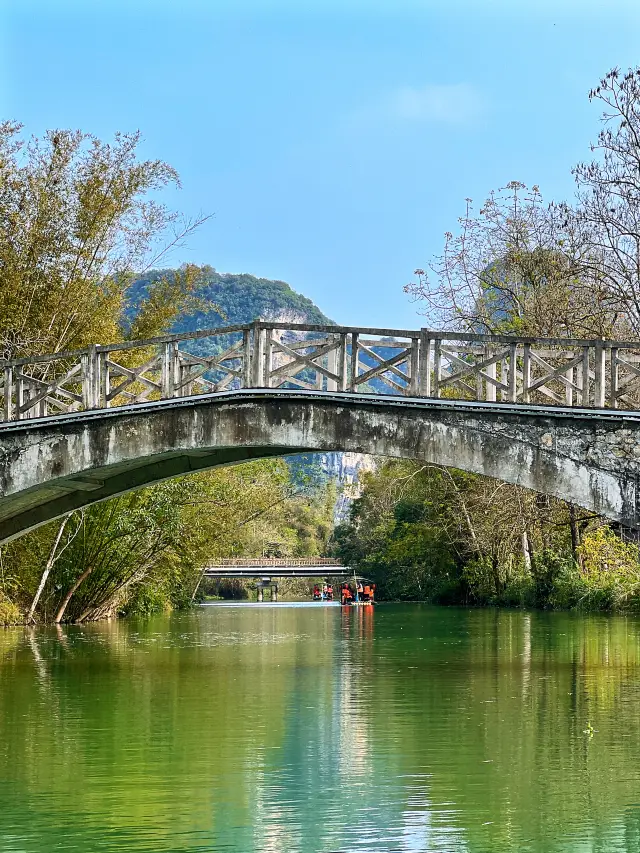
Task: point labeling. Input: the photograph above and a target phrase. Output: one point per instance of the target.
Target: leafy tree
(77, 217)
(607, 209)
(514, 267)
(426, 532)
(519, 266)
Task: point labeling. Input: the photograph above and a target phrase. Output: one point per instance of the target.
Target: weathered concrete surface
(53, 465)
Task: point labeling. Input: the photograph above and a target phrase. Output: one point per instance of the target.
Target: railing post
(320, 377)
(89, 384)
(615, 378)
(257, 356)
(86, 380)
(584, 396)
(568, 389)
(355, 367)
(20, 397)
(437, 367)
(414, 367)
(96, 378)
(513, 373)
(246, 358)
(342, 367)
(268, 357)
(599, 366)
(171, 379)
(181, 386)
(332, 367)
(167, 373)
(8, 393)
(490, 370)
(103, 380)
(180, 372)
(424, 385)
(526, 373)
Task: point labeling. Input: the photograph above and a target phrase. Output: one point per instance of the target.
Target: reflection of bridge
(307, 567)
(80, 427)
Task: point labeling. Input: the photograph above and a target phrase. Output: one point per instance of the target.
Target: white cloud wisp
(456, 103)
(433, 103)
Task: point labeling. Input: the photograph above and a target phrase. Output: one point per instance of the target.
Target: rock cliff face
(346, 469)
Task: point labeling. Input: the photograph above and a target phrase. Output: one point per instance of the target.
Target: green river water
(283, 729)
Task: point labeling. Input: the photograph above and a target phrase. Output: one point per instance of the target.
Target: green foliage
(78, 216)
(310, 520)
(143, 552)
(422, 532)
(608, 577)
(393, 536)
(10, 613)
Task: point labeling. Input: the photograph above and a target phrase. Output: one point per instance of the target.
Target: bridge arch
(50, 466)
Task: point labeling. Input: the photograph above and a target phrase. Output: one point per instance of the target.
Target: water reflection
(252, 730)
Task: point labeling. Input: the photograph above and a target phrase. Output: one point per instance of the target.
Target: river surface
(284, 729)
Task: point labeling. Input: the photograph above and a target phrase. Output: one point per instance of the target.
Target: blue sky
(334, 140)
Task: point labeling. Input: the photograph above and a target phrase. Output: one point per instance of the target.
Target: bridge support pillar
(270, 584)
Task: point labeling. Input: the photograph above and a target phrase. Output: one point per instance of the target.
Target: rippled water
(281, 729)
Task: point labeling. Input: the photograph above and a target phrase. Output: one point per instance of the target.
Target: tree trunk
(496, 573)
(197, 586)
(47, 568)
(69, 595)
(105, 607)
(575, 534)
(526, 550)
(543, 506)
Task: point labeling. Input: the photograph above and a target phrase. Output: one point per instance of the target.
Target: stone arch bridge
(554, 415)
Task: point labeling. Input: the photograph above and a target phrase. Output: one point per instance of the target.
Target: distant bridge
(80, 427)
(308, 567)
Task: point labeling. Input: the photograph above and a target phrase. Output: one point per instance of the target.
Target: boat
(355, 600)
(324, 594)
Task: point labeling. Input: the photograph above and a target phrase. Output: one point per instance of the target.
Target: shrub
(9, 612)
(608, 579)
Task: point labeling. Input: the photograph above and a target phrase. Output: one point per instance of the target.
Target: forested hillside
(226, 299)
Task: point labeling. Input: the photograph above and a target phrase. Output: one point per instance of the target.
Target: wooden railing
(417, 363)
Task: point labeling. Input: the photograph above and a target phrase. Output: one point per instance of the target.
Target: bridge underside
(53, 465)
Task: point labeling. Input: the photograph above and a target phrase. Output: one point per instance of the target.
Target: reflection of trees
(160, 717)
(504, 701)
(412, 727)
